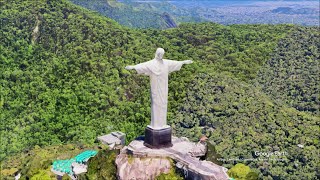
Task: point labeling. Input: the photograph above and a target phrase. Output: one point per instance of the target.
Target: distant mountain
(168, 14)
(135, 14)
(240, 12)
(63, 81)
(179, 13)
(169, 20)
(289, 10)
(128, 15)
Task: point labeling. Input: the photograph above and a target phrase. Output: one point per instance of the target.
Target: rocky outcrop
(141, 168)
(169, 20)
(137, 161)
(35, 33)
(199, 150)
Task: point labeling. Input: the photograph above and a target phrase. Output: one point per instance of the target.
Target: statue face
(159, 53)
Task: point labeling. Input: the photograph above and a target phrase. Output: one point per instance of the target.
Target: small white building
(113, 140)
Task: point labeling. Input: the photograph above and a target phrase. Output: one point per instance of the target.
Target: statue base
(158, 138)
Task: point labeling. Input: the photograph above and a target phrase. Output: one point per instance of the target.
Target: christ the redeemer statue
(158, 70)
(158, 134)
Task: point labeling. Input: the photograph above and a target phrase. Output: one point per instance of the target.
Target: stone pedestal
(146, 163)
(158, 138)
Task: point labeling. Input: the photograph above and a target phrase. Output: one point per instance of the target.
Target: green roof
(84, 156)
(65, 165)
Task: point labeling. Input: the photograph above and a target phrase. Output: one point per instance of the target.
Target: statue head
(159, 54)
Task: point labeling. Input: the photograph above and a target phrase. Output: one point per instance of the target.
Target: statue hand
(129, 67)
(188, 61)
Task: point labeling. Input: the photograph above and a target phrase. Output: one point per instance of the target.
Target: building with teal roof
(61, 167)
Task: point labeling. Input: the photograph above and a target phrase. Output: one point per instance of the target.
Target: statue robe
(158, 71)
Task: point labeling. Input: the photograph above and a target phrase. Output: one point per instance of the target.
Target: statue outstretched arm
(142, 68)
(176, 65)
(187, 62)
(129, 67)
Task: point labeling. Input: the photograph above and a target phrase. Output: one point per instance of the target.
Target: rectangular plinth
(158, 138)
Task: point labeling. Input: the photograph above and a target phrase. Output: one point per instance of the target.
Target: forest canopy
(63, 81)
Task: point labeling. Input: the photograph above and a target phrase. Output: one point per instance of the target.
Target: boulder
(130, 167)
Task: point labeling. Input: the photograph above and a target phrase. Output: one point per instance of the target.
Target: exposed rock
(141, 168)
(35, 33)
(300, 146)
(136, 162)
(169, 20)
(199, 150)
(17, 176)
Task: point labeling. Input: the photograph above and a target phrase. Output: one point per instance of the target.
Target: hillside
(292, 75)
(237, 49)
(242, 120)
(63, 81)
(36, 163)
(146, 15)
(130, 15)
(179, 13)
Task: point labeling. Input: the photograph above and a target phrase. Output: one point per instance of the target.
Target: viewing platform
(192, 167)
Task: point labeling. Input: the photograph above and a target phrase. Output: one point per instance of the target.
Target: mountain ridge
(70, 85)
(129, 15)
